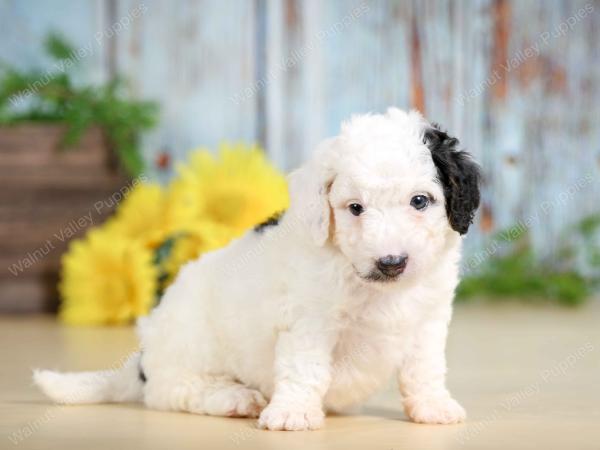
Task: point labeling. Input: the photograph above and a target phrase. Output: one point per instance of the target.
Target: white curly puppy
(315, 311)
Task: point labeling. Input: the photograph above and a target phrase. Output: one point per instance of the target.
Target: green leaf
(131, 159)
(57, 46)
(161, 254)
(518, 273)
(32, 95)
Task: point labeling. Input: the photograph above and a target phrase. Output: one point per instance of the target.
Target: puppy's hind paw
(233, 401)
(280, 417)
(249, 403)
(434, 410)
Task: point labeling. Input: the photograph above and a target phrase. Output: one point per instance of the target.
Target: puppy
(315, 310)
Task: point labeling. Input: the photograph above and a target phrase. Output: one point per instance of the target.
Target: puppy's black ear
(459, 174)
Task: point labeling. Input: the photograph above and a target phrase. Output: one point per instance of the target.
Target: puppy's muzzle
(392, 265)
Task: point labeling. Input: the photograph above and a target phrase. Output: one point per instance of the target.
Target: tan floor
(529, 378)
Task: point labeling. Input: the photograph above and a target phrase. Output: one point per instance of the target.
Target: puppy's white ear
(309, 193)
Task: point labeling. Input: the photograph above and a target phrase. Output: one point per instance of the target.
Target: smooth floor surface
(529, 377)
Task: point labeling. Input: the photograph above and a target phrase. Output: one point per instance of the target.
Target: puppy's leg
(215, 396)
(422, 378)
(302, 376)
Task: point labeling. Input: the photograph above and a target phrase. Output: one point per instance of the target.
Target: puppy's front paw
(435, 409)
(281, 417)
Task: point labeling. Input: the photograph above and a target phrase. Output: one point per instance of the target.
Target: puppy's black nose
(392, 265)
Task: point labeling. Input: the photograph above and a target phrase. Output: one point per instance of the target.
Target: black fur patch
(141, 374)
(460, 177)
(270, 222)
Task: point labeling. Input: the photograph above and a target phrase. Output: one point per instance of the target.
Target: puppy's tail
(107, 386)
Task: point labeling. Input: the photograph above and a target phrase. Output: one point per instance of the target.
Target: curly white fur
(290, 315)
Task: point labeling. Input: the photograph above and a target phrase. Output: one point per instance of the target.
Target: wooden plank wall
(517, 81)
(47, 198)
(192, 56)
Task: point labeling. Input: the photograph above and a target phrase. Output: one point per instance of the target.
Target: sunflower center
(226, 207)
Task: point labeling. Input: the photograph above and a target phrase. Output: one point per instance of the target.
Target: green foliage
(519, 274)
(33, 95)
(161, 254)
(57, 47)
(587, 229)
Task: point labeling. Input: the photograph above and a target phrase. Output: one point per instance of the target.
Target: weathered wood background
(517, 81)
(47, 198)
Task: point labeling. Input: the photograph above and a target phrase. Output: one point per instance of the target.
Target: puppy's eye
(356, 209)
(419, 202)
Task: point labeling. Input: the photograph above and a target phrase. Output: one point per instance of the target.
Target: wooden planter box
(47, 197)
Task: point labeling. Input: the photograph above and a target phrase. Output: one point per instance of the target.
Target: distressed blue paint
(25, 24)
(194, 57)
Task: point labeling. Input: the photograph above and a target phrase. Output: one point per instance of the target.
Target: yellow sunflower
(199, 238)
(106, 279)
(183, 207)
(238, 189)
(112, 275)
(140, 216)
